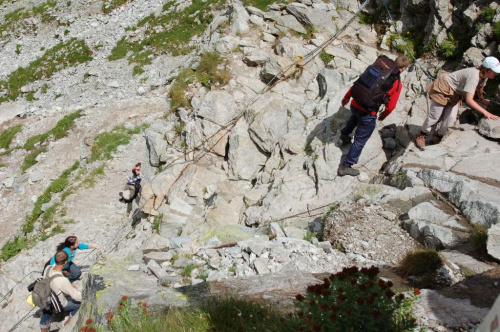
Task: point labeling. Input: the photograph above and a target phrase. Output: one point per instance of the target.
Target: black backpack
(43, 296)
(370, 89)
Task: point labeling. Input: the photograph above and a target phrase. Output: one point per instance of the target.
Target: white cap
(492, 63)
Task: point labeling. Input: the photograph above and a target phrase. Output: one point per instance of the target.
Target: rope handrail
(229, 125)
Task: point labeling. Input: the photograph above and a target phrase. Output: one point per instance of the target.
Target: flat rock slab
(481, 166)
(279, 288)
(434, 310)
(465, 261)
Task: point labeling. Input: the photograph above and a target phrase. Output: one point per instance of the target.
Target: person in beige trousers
(446, 93)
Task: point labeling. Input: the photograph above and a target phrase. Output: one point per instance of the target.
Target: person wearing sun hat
(448, 90)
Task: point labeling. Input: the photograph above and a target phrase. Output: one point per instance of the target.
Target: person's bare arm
(469, 99)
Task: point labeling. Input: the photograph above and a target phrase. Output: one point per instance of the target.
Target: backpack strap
(53, 277)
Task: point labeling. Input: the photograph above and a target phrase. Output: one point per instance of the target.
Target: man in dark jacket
(365, 121)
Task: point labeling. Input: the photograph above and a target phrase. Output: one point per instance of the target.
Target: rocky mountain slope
(234, 113)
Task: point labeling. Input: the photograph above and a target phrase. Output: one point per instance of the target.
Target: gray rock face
(245, 159)
(479, 202)
(290, 22)
(493, 244)
(489, 128)
(435, 310)
(267, 128)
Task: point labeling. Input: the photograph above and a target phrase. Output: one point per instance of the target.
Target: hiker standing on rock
(379, 84)
(446, 93)
(70, 246)
(67, 294)
(133, 186)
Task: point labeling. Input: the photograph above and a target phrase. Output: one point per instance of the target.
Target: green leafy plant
(487, 14)
(354, 300)
(309, 236)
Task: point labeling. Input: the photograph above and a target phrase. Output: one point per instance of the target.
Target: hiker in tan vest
(446, 93)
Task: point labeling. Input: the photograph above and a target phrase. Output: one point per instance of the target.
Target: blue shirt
(70, 255)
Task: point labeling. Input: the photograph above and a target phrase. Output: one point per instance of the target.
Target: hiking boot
(420, 141)
(347, 170)
(345, 139)
(437, 139)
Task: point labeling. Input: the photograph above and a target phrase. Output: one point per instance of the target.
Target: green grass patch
(207, 73)
(7, 136)
(109, 5)
(13, 247)
(63, 55)
(263, 4)
(325, 57)
(59, 131)
(105, 144)
(16, 21)
(30, 158)
(94, 175)
(186, 272)
(56, 186)
(166, 33)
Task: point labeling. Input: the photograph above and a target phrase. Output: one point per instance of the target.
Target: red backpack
(371, 89)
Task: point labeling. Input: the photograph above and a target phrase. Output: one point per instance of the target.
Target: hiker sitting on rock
(447, 91)
(133, 186)
(70, 246)
(68, 295)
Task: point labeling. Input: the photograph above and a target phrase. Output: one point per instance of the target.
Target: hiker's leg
(435, 112)
(351, 124)
(45, 320)
(449, 117)
(366, 126)
(74, 272)
(72, 307)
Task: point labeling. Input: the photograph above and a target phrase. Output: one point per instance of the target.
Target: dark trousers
(74, 272)
(365, 124)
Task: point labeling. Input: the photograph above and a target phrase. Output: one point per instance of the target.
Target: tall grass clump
(478, 240)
